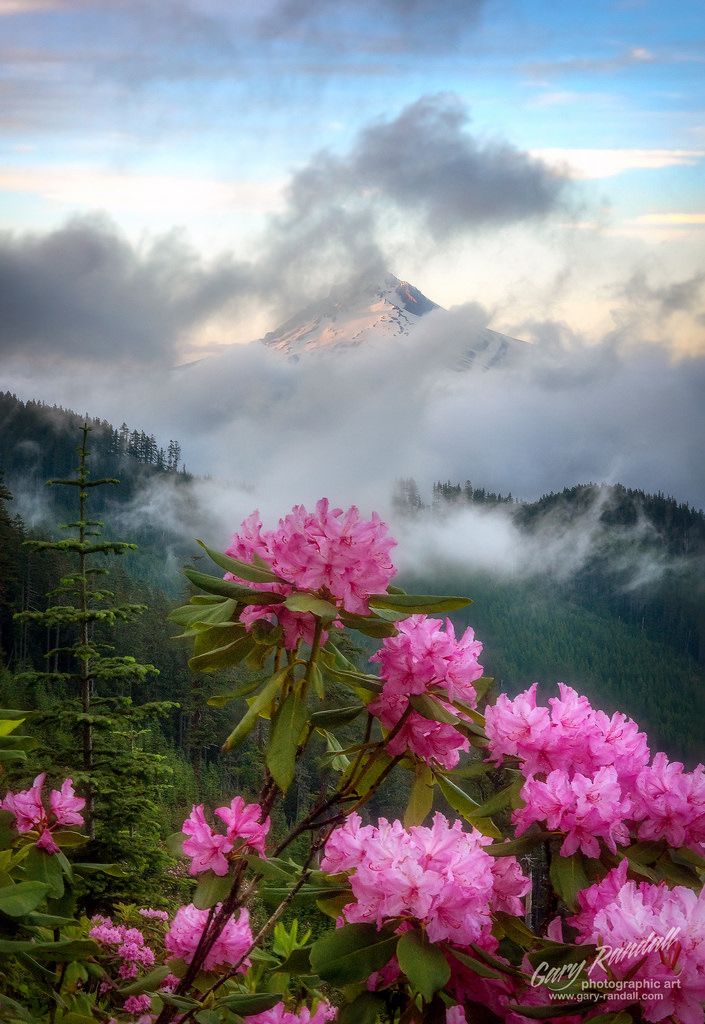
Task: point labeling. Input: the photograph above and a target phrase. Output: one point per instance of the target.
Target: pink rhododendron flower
(127, 944)
(670, 803)
(455, 1015)
(335, 553)
(439, 876)
(153, 915)
(571, 736)
(422, 658)
(137, 1004)
(232, 943)
(617, 913)
(586, 809)
(209, 849)
(280, 1015)
(31, 814)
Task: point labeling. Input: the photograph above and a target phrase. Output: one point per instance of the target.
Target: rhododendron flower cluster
(424, 657)
(128, 945)
(233, 942)
(586, 809)
(570, 736)
(440, 877)
(209, 849)
(617, 913)
(32, 816)
(598, 781)
(153, 915)
(335, 553)
(280, 1015)
(670, 803)
(137, 1004)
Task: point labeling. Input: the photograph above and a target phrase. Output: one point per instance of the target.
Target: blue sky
(193, 115)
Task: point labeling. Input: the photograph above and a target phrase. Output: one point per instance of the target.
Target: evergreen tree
(119, 779)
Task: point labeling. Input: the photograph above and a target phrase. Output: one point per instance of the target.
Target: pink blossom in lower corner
(31, 814)
(618, 912)
(455, 1015)
(209, 849)
(441, 877)
(229, 948)
(280, 1015)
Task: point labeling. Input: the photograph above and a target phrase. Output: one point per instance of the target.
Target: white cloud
(608, 163)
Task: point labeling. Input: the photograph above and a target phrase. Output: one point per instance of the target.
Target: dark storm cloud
(84, 291)
(427, 165)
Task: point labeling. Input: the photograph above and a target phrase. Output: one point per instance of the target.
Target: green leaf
(331, 717)
(19, 899)
(260, 704)
(148, 983)
(211, 889)
(370, 625)
(63, 951)
(70, 839)
(245, 570)
(516, 847)
(499, 801)
(287, 727)
(473, 964)
(515, 929)
(418, 604)
(421, 796)
(424, 964)
(8, 725)
(222, 657)
(113, 870)
(363, 1010)
(432, 709)
(300, 602)
(616, 1017)
(568, 877)
(352, 953)
(559, 954)
(219, 700)
(247, 1004)
(40, 866)
(466, 807)
(235, 591)
(175, 844)
(197, 614)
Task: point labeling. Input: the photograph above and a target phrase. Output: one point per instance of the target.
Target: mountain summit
(349, 317)
(384, 309)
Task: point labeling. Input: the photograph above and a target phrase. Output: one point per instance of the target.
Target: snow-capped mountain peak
(349, 317)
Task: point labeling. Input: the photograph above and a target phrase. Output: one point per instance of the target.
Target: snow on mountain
(387, 309)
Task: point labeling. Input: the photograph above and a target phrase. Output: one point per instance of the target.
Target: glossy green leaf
(44, 867)
(234, 591)
(147, 983)
(222, 657)
(300, 602)
(259, 704)
(418, 604)
(352, 953)
(211, 889)
(244, 570)
(474, 965)
(369, 625)
(420, 800)
(329, 718)
(19, 899)
(287, 727)
(568, 877)
(365, 1009)
(432, 709)
(424, 964)
(466, 807)
(63, 951)
(247, 1004)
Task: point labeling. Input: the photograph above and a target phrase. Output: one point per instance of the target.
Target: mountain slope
(387, 309)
